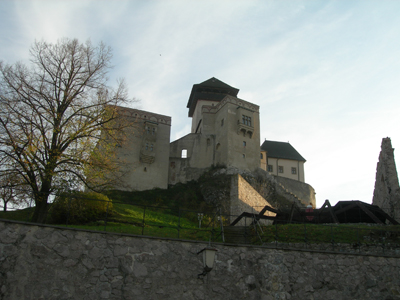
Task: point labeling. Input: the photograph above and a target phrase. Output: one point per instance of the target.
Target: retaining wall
(55, 263)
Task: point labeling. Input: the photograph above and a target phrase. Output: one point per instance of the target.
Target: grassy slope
(164, 213)
(173, 213)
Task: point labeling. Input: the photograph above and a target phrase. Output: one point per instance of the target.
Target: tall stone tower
(225, 131)
(387, 191)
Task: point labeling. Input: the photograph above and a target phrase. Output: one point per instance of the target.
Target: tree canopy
(54, 114)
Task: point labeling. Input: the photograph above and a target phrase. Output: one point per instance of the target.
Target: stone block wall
(244, 198)
(303, 191)
(54, 263)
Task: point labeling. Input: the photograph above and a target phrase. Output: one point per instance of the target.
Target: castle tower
(225, 131)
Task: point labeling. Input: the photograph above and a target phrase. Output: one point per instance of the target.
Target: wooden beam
(368, 212)
(334, 217)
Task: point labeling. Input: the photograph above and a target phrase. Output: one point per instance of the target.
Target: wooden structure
(342, 212)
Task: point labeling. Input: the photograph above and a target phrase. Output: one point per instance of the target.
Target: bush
(80, 207)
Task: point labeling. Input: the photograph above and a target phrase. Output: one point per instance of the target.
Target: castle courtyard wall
(53, 263)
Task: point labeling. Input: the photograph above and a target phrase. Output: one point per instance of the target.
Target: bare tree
(54, 114)
(13, 191)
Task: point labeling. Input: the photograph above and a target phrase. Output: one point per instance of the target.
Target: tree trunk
(40, 212)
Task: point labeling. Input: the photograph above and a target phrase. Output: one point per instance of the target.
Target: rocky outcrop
(387, 191)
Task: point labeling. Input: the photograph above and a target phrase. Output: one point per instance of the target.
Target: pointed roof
(281, 150)
(212, 89)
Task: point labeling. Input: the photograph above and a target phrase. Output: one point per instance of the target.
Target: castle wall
(144, 155)
(244, 198)
(221, 139)
(387, 191)
(51, 263)
(303, 191)
(243, 141)
(197, 116)
(200, 156)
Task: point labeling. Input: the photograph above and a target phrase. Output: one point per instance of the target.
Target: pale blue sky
(326, 74)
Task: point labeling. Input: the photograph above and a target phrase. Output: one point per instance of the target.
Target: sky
(326, 74)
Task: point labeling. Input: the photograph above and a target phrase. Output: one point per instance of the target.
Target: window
(148, 130)
(270, 168)
(294, 171)
(184, 153)
(261, 156)
(222, 122)
(153, 131)
(280, 169)
(151, 147)
(244, 143)
(244, 155)
(147, 146)
(246, 120)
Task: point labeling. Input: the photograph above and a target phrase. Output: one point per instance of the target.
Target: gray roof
(281, 150)
(212, 89)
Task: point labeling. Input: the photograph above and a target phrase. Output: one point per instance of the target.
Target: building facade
(144, 153)
(282, 160)
(225, 132)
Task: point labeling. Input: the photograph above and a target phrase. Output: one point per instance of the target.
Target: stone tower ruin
(387, 190)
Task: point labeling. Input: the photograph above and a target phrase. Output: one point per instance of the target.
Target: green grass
(18, 215)
(179, 222)
(140, 220)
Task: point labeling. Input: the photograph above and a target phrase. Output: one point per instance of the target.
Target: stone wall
(303, 191)
(237, 191)
(54, 263)
(279, 195)
(387, 191)
(244, 198)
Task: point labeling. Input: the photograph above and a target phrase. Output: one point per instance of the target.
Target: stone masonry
(387, 191)
(38, 262)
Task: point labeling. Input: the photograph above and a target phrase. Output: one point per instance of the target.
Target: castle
(225, 132)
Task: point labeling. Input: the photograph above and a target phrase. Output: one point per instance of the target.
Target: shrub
(80, 207)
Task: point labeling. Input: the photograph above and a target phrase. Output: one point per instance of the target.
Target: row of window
(150, 130)
(280, 169)
(246, 120)
(149, 147)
